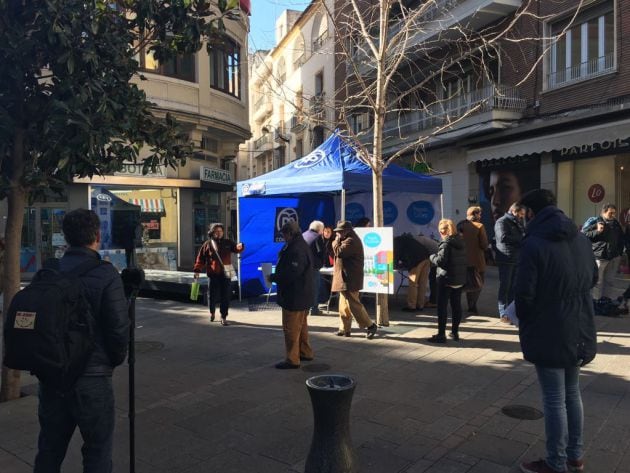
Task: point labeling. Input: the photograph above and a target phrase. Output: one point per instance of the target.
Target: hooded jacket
(451, 260)
(555, 274)
(208, 259)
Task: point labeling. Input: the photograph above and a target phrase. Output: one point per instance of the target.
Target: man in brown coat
(476, 241)
(348, 280)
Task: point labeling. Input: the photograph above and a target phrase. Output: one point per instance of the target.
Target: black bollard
(331, 447)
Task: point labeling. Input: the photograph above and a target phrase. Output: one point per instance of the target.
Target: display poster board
(378, 263)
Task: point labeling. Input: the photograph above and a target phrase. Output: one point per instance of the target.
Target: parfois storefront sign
(603, 148)
(219, 176)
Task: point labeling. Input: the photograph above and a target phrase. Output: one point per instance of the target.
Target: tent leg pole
(342, 211)
(238, 239)
(442, 204)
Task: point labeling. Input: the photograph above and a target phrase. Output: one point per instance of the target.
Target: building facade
(207, 94)
(292, 91)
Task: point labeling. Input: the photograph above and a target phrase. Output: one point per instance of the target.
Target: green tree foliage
(67, 106)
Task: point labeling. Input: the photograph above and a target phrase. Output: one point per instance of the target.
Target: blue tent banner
(310, 189)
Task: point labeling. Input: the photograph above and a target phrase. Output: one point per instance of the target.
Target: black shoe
(306, 358)
(454, 336)
(315, 312)
(437, 338)
(409, 309)
(371, 331)
(224, 322)
(211, 317)
(285, 365)
(341, 333)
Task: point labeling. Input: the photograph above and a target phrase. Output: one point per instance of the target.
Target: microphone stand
(132, 279)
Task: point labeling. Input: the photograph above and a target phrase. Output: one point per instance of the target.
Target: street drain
(145, 346)
(316, 367)
(522, 412)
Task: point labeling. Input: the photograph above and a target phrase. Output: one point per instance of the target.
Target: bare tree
(414, 70)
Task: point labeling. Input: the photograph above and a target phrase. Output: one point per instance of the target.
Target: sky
(263, 20)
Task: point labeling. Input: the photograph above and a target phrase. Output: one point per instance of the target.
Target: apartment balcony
(464, 115)
(452, 19)
(580, 72)
(296, 123)
(319, 41)
(262, 109)
(262, 145)
(448, 20)
(317, 108)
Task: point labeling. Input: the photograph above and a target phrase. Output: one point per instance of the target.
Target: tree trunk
(16, 200)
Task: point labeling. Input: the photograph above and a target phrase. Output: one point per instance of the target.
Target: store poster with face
(503, 182)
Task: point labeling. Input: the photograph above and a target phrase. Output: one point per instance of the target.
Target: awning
(149, 205)
(581, 138)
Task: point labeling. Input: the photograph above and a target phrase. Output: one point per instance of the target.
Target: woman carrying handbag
(215, 256)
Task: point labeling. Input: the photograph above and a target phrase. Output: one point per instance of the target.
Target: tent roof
(331, 167)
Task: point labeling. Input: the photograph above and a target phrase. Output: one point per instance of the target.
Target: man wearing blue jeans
(89, 404)
(556, 271)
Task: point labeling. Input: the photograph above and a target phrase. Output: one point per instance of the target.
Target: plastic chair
(267, 270)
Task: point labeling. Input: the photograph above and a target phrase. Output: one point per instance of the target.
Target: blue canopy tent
(323, 185)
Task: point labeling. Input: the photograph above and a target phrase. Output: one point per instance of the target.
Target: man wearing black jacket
(556, 271)
(413, 256)
(294, 278)
(508, 234)
(607, 238)
(90, 403)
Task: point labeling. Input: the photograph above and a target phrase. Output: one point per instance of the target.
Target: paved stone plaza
(209, 400)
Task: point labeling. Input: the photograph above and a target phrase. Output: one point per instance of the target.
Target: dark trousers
(90, 406)
(507, 277)
(219, 290)
(433, 285)
(446, 294)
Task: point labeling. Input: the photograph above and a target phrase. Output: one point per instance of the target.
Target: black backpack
(49, 328)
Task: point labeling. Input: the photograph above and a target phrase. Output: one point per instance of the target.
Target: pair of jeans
(507, 276)
(446, 294)
(219, 289)
(89, 406)
(564, 414)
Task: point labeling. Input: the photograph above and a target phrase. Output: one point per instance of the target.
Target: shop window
(225, 67)
(584, 49)
(138, 223)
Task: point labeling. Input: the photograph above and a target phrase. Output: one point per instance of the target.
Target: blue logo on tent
(420, 212)
(310, 159)
(390, 212)
(354, 211)
(372, 239)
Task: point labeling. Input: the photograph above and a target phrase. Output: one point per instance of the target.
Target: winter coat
(476, 241)
(208, 260)
(105, 293)
(315, 241)
(555, 273)
(451, 260)
(409, 251)
(348, 269)
(508, 234)
(609, 243)
(329, 255)
(294, 275)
